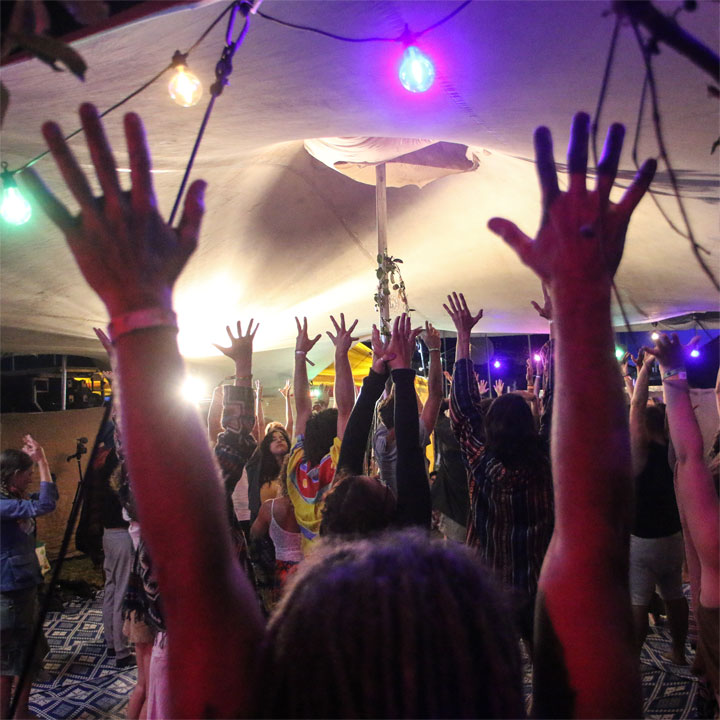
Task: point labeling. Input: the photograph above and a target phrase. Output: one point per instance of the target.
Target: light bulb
(537, 357)
(695, 353)
(193, 389)
(417, 73)
(655, 335)
(184, 87)
(496, 364)
(619, 353)
(15, 209)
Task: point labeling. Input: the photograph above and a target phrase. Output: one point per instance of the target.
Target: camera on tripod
(80, 449)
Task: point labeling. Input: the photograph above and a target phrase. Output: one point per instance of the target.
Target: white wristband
(141, 320)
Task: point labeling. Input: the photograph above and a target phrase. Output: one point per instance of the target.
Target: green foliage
(389, 276)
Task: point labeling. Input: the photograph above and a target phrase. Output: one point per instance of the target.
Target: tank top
(288, 545)
(656, 513)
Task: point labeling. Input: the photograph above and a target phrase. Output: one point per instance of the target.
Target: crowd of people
(285, 571)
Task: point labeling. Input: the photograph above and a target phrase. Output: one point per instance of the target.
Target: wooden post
(381, 217)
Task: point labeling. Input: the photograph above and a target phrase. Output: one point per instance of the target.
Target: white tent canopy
(286, 235)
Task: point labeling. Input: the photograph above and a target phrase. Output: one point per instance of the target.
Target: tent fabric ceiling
(285, 235)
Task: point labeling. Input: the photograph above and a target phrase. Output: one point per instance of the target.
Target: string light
(497, 364)
(15, 209)
(694, 353)
(619, 353)
(184, 87)
(537, 357)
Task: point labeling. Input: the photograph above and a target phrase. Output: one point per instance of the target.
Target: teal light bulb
(417, 73)
(15, 209)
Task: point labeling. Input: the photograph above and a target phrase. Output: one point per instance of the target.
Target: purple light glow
(537, 357)
(694, 353)
(497, 364)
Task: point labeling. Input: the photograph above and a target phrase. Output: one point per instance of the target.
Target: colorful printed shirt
(307, 487)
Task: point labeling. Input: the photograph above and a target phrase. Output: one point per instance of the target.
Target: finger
(67, 164)
(464, 304)
(142, 193)
(257, 325)
(546, 294)
(547, 174)
(578, 152)
(50, 205)
(297, 322)
(250, 327)
(514, 237)
(693, 342)
(101, 154)
(634, 194)
(342, 320)
(536, 306)
(316, 338)
(478, 316)
(188, 231)
(239, 329)
(229, 332)
(334, 322)
(331, 336)
(352, 327)
(220, 348)
(447, 310)
(608, 165)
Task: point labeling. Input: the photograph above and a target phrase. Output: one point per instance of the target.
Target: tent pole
(381, 217)
(63, 384)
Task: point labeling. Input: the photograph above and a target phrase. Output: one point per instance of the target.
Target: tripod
(80, 491)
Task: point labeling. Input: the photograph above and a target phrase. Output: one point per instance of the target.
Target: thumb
(513, 236)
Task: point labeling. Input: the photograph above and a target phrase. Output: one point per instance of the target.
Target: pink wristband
(141, 320)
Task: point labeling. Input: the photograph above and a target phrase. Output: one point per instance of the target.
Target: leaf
(379, 258)
(395, 286)
(398, 260)
(380, 273)
(386, 291)
(49, 50)
(4, 101)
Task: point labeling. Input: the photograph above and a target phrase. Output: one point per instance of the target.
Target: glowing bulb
(655, 335)
(185, 88)
(496, 364)
(417, 73)
(193, 389)
(537, 357)
(15, 209)
(695, 353)
(619, 353)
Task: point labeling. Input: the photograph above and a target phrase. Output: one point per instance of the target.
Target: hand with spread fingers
(462, 318)
(342, 339)
(127, 253)
(381, 356)
(240, 349)
(286, 389)
(402, 342)
(669, 352)
(303, 344)
(482, 386)
(499, 386)
(544, 311)
(582, 233)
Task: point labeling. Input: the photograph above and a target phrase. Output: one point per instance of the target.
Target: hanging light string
(222, 73)
(144, 86)
(403, 37)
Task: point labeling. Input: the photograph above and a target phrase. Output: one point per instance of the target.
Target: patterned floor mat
(83, 681)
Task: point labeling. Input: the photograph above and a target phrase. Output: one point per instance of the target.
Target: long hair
(11, 462)
(510, 432)
(400, 626)
(320, 431)
(270, 464)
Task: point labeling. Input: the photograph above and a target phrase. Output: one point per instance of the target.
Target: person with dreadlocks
(19, 567)
(386, 611)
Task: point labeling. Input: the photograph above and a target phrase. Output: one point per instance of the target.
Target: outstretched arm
(413, 489)
(584, 669)
(695, 492)
(303, 406)
(286, 391)
(435, 389)
(344, 386)
(132, 258)
(638, 428)
(354, 442)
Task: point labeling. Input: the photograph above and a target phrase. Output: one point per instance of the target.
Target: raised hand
(431, 337)
(343, 339)
(127, 253)
(240, 349)
(258, 390)
(670, 352)
(462, 318)
(544, 311)
(582, 234)
(499, 386)
(482, 386)
(286, 389)
(381, 356)
(303, 344)
(33, 448)
(448, 376)
(402, 342)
